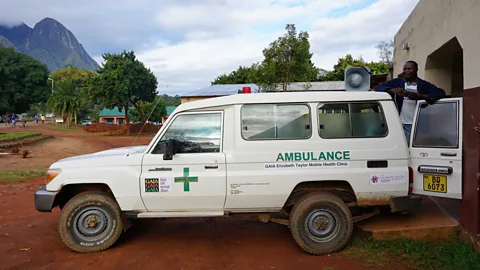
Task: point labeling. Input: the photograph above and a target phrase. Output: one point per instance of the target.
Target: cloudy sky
(187, 43)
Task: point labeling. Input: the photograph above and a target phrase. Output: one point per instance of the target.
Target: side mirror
(170, 149)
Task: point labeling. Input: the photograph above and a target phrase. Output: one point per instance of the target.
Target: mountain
(4, 42)
(50, 42)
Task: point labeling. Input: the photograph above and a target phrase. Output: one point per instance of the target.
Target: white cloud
(196, 62)
(361, 28)
(226, 17)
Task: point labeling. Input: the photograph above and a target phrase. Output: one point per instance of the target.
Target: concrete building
(443, 37)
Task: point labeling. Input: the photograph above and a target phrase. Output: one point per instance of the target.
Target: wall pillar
(470, 212)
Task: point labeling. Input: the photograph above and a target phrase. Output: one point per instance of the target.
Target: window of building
(351, 120)
(272, 121)
(195, 133)
(430, 133)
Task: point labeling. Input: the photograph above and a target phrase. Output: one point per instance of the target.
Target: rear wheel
(321, 223)
(90, 222)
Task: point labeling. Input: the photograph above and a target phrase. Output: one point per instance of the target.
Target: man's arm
(386, 85)
(433, 93)
(392, 87)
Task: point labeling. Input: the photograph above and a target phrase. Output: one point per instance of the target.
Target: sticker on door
(387, 179)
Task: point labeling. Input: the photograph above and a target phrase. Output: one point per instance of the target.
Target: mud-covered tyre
(321, 223)
(90, 222)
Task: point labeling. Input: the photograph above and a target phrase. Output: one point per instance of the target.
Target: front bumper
(44, 199)
(398, 204)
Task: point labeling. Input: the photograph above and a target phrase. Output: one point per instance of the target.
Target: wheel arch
(340, 188)
(71, 190)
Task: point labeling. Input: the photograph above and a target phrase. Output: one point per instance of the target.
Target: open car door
(436, 149)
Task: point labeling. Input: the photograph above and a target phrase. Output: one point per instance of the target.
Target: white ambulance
(314, 161)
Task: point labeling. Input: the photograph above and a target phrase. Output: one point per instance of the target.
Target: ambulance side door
(436, 149)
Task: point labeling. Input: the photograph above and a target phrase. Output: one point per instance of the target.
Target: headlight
(51, 174)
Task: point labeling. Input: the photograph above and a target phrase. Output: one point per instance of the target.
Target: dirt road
(29, 239)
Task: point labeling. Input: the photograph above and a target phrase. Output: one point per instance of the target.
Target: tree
(338, 72)
(23, 81)
(70, 90)
(147, 107)
(123, 80)
(240, 76)
(67, 100)
(286, 60)
(76, 75)
(385, 51)
(171, 100)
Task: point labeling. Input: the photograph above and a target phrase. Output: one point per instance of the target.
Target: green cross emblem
(185, 179)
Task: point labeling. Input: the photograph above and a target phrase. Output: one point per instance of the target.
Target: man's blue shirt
(423, 87)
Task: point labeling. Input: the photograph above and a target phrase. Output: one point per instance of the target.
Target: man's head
(410, 69)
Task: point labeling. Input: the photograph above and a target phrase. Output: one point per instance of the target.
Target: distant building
(219, 90)
(314, 86)
(170, 110)
(216, 90)
(113, 116)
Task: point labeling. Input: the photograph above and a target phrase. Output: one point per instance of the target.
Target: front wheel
(90, 222)
(321, 223)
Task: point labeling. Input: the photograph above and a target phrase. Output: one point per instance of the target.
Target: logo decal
(186, 179)
(374, 179)
(151, 184)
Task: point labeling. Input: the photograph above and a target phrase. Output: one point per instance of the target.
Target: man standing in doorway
(406, 91)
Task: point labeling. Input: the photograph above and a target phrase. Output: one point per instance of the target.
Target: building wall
(435, 31)
(434, 23)
(113, 119)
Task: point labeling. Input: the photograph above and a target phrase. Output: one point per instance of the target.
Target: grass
(443, 255)
(17, 135)
(19, 176)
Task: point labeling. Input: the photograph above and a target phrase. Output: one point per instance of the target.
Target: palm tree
(67, 100)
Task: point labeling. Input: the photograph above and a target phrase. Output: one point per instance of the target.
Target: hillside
(49, 42)
(4, 42)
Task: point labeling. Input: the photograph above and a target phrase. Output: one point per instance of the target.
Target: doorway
(444, 67)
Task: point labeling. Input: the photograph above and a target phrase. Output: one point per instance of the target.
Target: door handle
(211, 167)
(160, 170)
(377, 164)
(448, 154)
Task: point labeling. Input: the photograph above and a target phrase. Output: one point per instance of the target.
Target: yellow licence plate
(435, 183)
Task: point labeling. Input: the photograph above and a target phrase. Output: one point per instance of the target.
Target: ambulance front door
(436, 149)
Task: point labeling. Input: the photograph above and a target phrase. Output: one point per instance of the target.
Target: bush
(101, 128)
(114, 129)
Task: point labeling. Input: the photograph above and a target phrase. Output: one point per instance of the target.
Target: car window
(351, 120)
(196, 133)
(272, 121)
(437, 126)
